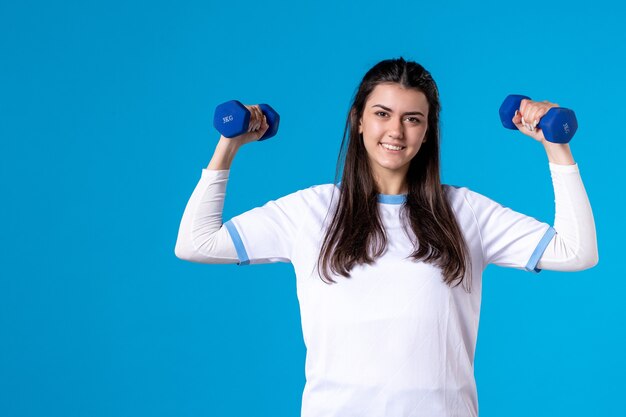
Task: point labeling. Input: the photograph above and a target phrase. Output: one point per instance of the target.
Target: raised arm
(202, 237)
(574, 247)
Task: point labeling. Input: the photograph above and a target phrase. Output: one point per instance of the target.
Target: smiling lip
(392, 144)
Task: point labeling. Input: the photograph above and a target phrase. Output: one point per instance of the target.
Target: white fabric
(392, 340)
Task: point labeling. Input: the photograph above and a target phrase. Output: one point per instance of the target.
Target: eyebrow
(388, 109)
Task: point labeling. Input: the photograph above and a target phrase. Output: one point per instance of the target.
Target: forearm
(201, 235)
(224, 154)
(559, 153)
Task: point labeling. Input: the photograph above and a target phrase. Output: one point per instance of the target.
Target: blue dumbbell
(232, 119)
(558, 124)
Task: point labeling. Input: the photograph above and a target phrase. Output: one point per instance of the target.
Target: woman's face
(396, 116)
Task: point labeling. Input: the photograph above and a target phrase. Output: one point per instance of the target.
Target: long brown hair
(355, 234)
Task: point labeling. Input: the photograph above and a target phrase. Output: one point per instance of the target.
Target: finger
(525, 123)
(521, 127)
(255, 123)
(523, 106)
(525, 128)
(526, 107)
(251, 120)
(540, 111)
(518, 120)
(534, 112)
(259, 117)
(537, 115)
(262, 128)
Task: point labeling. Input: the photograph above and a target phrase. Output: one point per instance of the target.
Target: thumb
(517, 118)
(519, 123)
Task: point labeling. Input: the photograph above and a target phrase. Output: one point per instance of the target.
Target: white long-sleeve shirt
(393, 339)
(202, 239)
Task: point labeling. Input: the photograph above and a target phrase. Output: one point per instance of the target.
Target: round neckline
(391, 198)
(387, 198)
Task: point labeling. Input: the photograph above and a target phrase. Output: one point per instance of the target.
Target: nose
(396, 129)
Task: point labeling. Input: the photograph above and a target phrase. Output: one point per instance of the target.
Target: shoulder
(310, 197)
(461, 196)
(455, 193)
(322, 191)
(320, 196)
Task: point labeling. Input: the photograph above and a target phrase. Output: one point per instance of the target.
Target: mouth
(395, 150)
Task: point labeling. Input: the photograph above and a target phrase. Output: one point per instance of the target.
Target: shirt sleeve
(201, 236)
(575, 245)
(509, 238)
(267, 234)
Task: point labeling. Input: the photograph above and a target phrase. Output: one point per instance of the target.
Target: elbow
(591, 260)
(180, 251)
(586, 260)
(579, 256)
(184, 249)
(591, 257)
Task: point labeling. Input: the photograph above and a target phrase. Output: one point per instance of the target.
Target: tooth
(395, 148)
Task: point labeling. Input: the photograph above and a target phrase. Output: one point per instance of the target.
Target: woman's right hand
(256, 128)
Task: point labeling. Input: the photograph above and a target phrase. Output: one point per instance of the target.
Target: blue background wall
(105, 125)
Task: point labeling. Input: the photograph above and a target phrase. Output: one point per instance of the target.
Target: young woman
(379, 256)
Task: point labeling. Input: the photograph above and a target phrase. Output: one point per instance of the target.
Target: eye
(415, 119)
(380, 112)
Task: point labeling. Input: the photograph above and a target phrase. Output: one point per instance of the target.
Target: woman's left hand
(527, 118)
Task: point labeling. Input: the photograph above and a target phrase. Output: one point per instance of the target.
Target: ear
(359, 122)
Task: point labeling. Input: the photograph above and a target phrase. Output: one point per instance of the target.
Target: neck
(392, 183)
